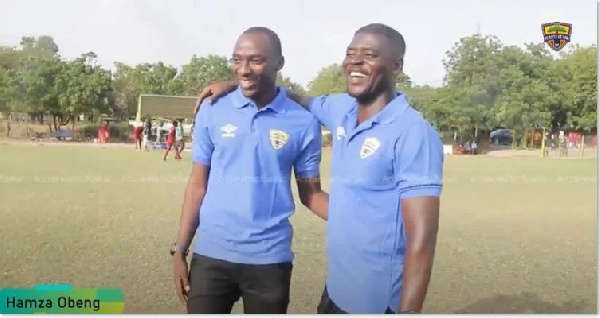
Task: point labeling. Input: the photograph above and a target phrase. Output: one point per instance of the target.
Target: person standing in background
(147, 132)
(137, 136)
(171, 142)
(179, 143)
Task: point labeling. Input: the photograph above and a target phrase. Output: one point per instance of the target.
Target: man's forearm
(418, 264)
(312, 196)
(189, 215)
(319, 204)
(304, 101)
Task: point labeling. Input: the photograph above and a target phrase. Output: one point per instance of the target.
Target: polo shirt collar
(389, 113)
(278, 104)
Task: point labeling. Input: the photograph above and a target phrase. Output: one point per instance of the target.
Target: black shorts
(216, 285)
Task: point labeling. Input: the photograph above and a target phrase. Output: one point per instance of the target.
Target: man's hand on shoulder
(215, 91)
(301, 100)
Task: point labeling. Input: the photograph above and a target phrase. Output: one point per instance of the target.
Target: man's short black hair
(394, 37)
(272, 36)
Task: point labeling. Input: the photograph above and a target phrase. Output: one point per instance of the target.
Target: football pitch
(517, 235)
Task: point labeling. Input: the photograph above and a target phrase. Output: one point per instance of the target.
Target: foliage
(487, 85)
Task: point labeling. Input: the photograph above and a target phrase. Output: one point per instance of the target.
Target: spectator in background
(473, 147)
(147, 132)
(192, 129)
(467, 147)
(137, 136)
(179, 143)
(104, 132)
(159, 130)
(171, 142)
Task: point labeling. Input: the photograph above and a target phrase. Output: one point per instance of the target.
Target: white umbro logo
(340, 132)
(228, 130)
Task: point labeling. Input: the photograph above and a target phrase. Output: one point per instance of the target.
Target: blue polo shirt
(244, 214)
(393, 155)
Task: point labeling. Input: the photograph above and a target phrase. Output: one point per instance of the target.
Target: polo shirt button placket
(253, 127)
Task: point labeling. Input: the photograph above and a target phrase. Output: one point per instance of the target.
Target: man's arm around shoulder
(302, 100)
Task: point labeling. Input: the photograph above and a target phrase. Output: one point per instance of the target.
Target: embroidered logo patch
(278, 138)
(369, 146)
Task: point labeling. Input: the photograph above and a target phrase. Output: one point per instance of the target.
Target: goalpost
(165, 106)
(18, 125)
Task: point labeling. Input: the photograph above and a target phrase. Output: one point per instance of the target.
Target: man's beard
(370, 94)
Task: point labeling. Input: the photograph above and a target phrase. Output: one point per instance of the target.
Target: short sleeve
(331, 109)
(202, 145)
(418, 162)
(307, 164)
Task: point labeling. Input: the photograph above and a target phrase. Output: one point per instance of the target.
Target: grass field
(516, 235)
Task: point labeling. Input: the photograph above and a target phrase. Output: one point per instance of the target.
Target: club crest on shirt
(369, 146)
(228, 130)
(278, 138)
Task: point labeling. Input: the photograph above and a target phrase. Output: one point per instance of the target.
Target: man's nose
(244, 68)
(355, 59)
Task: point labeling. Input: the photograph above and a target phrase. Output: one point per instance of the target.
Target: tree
(31, 85)
(43, 45)
(422, 98)
(471, 85)
(289, 84)
(403, 82)
(472, 60)
(200, 72)
(126, 88)
(147, 78)
(82, 87)
(579, 87)
(329, 80)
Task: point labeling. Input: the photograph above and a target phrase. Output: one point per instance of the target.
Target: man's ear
(280, 64)
(398, 67)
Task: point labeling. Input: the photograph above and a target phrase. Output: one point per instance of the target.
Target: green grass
(516, 235)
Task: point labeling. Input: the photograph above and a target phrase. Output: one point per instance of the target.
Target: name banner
(61, 299)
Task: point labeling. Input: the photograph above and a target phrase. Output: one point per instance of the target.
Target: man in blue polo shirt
(386, 182)
(238, 199)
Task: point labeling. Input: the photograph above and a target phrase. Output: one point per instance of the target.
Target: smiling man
(238, 199)
(386, 182)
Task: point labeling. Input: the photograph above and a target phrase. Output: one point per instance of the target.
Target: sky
(314, 33)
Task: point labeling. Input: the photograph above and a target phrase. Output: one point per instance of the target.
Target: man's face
(370, 65)
(255, 64)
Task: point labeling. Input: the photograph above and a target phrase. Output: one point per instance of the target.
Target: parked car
(501, 137)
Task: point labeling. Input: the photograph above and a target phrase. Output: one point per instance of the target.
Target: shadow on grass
(525, 303)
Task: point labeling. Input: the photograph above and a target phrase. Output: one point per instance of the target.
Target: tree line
(487, 85)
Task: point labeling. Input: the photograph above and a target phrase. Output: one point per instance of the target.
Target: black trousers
(216, 285)
(328, 307)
